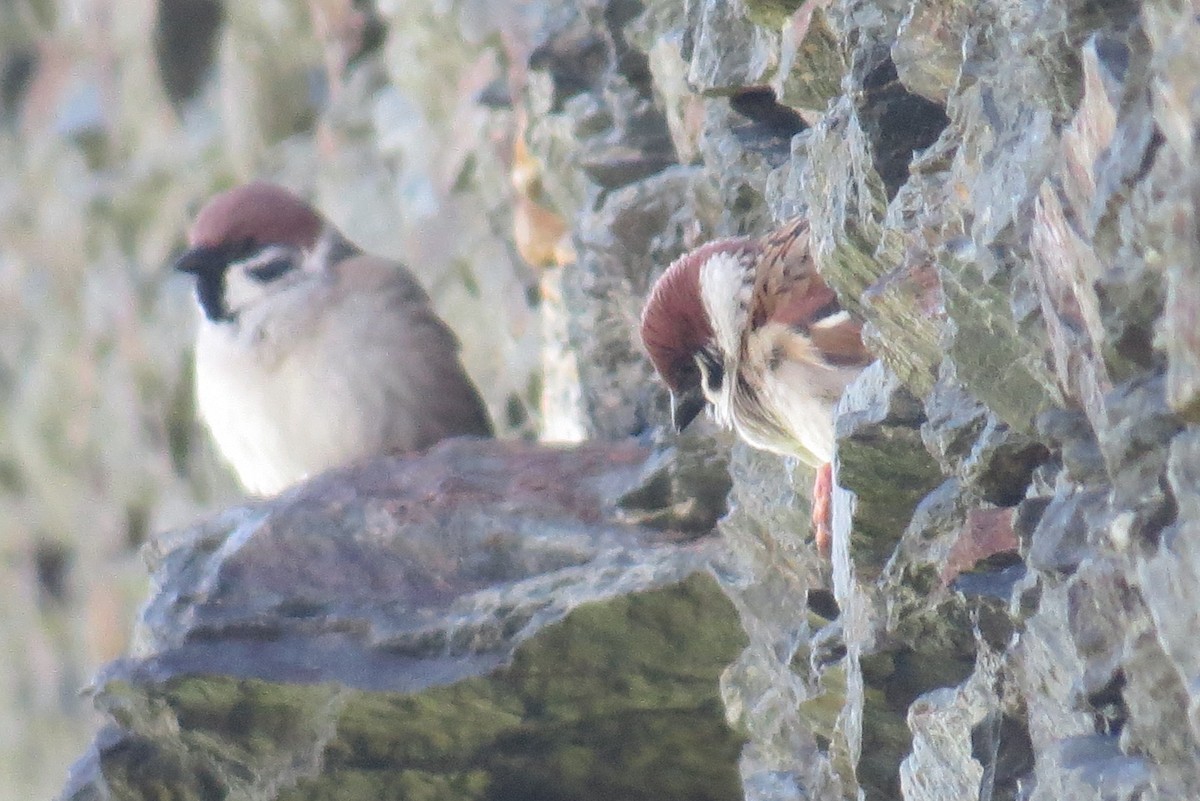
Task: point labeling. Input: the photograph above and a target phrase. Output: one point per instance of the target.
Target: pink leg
(822, 509)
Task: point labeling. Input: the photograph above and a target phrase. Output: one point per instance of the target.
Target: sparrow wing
(429, 395)
(789, 290)
(838, 337)
(446, 399)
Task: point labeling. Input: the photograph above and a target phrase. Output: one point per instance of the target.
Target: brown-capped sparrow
(311, 354)
(749, 327)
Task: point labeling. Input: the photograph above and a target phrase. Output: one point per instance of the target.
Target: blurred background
(117, 119)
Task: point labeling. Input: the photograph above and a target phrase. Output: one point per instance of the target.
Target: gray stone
(897, 122)
(1071, 434)
(742, 155)
(942, 763)
(811, 60)
(769, 689)
(1170, 194)
(929, 48)
(1170, 578)
(622, 247)
(684, 486)
(430, 621)
(593, 118)
(1135, 448)
(954, 422)
(1091, 767)
(1107, 616)
(997, 360)
(968, 440)
(1068, 530)
(729, 51)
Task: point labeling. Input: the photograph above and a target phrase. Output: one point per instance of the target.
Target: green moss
(1000, 364)
(816, 73)
(890, 475)
(381, 729)
(771, 13)
(410, 785)
(618, 700)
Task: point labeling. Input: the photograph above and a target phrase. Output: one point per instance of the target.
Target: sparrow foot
(822, 509)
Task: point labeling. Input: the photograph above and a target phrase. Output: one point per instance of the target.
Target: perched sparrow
(311, 354)
(749, 326)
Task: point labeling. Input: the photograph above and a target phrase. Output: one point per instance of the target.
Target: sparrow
(749, 328)
(311, 354)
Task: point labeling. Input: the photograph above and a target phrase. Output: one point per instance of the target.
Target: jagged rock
(882, 460)
(845, 201)
(1071, 434)
(968, 440)
(1170, 578)
(767, 568)
(897, 122)
(594, 108)
(1067, 530)
(997, 360)
(622, 247)
(928, 51)
(1135, 447)
(943, 762)
(682, 487)
(811, 60)
(984, 534)
(1079, 767)
(472, 622)
(729, 51)
(931, 529)
(743, 155)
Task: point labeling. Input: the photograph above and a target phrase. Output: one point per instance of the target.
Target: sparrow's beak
(199, 260)
(685, 406)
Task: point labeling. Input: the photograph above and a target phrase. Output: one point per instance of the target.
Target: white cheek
(240, 290)
(725, 293)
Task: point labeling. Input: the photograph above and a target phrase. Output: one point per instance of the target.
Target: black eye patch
(275, 268)
(714, 371)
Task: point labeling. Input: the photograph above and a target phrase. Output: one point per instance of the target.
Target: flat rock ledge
(475, 622)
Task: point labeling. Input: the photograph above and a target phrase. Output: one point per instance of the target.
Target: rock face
(1005, 191)
(475, 622)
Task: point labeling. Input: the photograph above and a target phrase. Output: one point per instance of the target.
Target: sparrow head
(693, 321)
(248, 243)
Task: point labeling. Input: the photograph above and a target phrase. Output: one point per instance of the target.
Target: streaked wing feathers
(789, 290)
(786, 284)
(839, 339)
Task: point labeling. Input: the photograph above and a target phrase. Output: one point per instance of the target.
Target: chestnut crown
(675, 324)
(261, 213)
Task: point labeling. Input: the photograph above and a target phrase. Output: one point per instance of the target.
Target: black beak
(685, 406)
(200, 260)
(208, 264)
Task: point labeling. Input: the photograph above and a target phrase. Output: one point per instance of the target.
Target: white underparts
(789, 409)
(286, 394)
